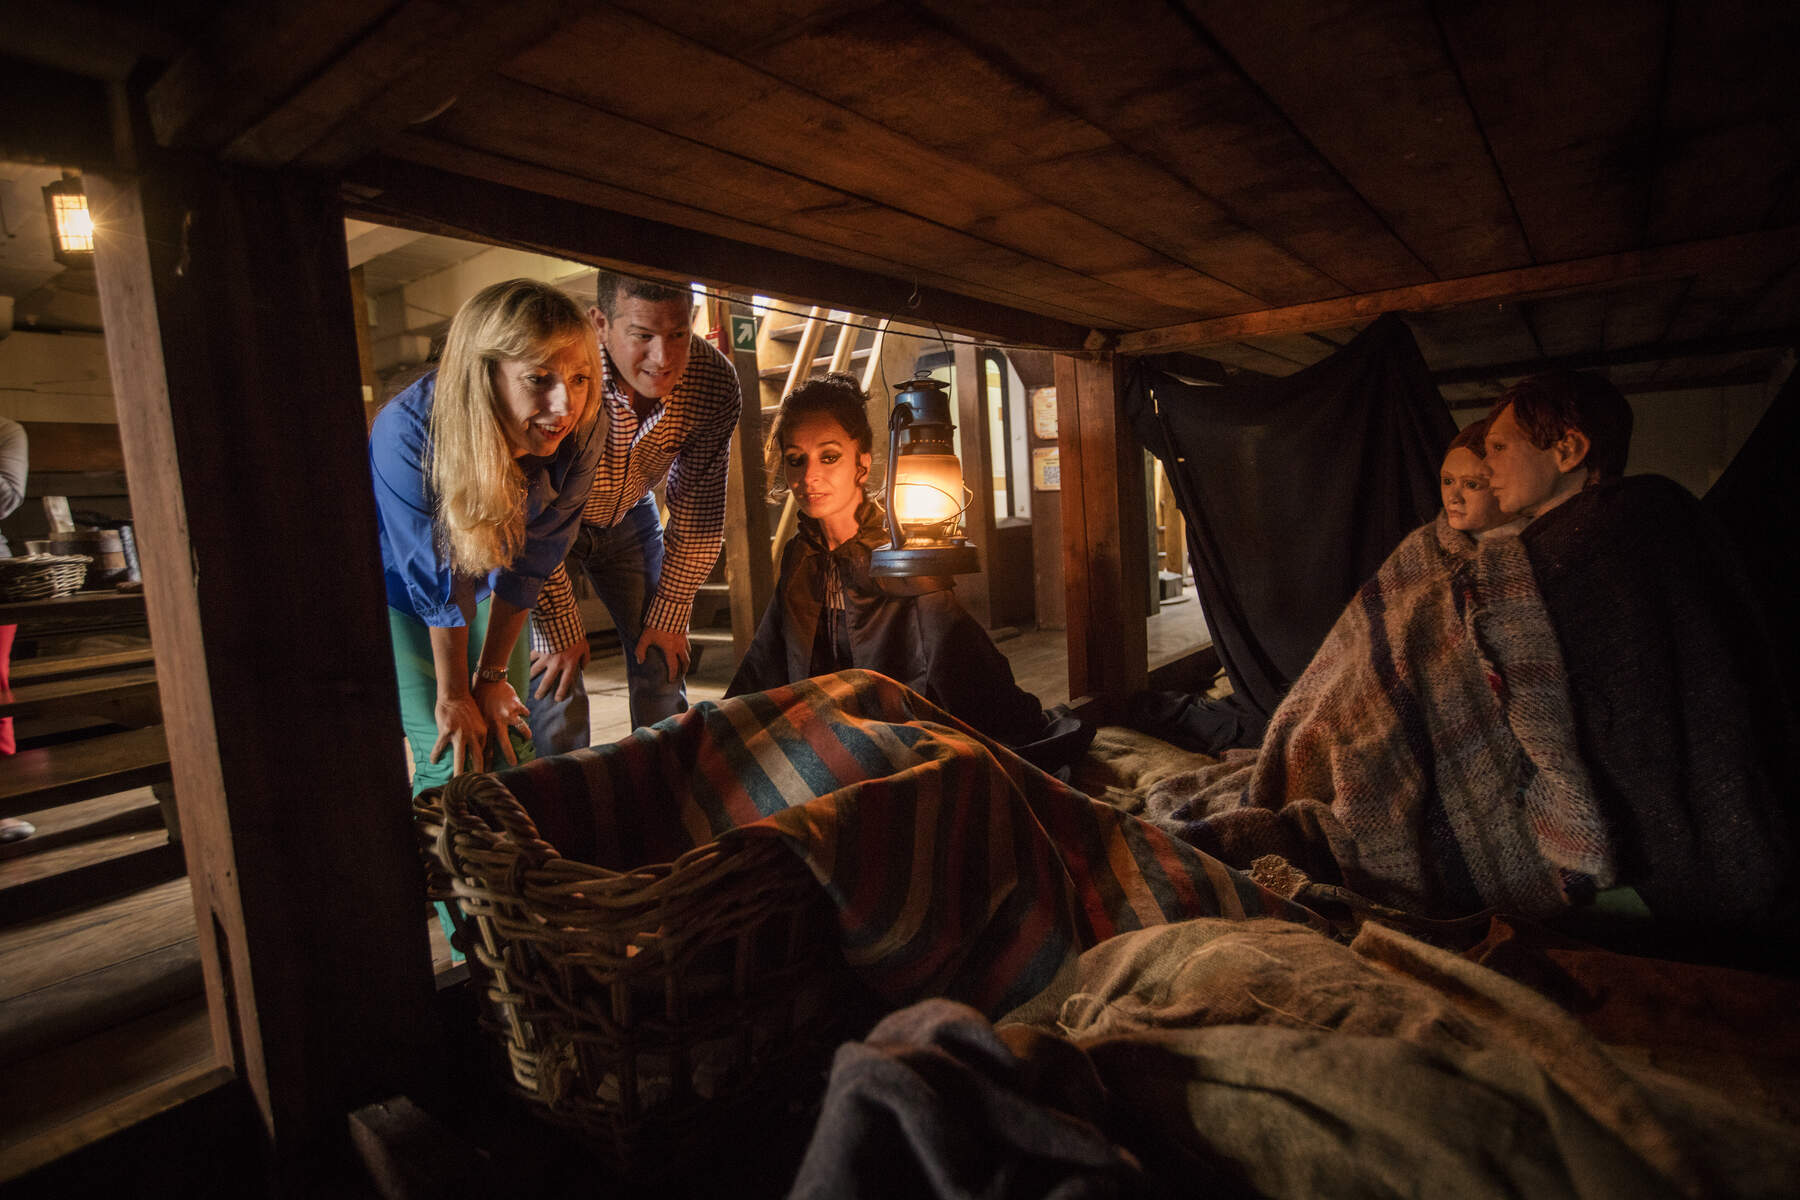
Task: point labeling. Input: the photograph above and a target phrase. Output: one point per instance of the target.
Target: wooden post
(978, 476)
(748, 569)
(1104, 536)
(226, 302)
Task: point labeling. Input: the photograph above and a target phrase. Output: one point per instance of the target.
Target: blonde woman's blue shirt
(413, 563)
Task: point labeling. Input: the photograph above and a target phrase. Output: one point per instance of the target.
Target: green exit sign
(743, 332)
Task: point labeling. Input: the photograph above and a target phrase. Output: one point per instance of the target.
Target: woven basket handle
(467, 798)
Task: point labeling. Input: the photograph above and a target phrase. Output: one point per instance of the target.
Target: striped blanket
(957, 868)
(1426, 758)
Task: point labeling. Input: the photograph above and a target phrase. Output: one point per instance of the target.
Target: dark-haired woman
(828, 614)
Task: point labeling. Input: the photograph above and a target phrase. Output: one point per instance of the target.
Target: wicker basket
(38, 576)
(657, 1011)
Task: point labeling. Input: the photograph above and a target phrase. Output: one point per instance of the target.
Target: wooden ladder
(711, 621)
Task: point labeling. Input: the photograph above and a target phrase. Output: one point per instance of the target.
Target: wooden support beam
(416, 197)
(244, 440)
(1551, 279)
(975, 591)
(748, 569)
(1104, 537)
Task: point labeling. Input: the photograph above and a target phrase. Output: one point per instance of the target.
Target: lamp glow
(71, 225)
(925, 491)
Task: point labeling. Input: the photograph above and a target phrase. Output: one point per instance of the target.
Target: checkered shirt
(685, 438)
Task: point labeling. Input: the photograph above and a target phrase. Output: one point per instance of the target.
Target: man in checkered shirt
(674, 402)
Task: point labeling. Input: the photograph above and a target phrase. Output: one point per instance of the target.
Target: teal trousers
(417, 677)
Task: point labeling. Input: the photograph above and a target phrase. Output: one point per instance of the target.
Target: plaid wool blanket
(957, 868)
(1426, 758)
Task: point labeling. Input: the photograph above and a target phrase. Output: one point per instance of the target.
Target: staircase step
(86, 873)
(124, 812)
(128, 697)
(75, 1008)
(54, 775)
(35, 670)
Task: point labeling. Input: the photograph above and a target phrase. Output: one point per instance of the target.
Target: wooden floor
(101, 1003)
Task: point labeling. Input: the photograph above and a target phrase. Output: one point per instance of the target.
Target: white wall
(408, 317)
(55, 377)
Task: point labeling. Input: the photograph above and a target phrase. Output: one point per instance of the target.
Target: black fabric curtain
(1295, 490)
(1754, 502)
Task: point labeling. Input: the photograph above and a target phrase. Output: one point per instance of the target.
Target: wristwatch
(490, 674)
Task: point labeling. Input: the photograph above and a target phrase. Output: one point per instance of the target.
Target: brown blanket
(1426, 757)
(1228, 1058)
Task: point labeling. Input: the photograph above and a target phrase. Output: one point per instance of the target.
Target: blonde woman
(481, 468)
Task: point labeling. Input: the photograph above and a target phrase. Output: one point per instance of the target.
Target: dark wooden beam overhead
(67, 36)
(1424, 166)
(1567, 96)
(1609, 270)
(1622, 356)
(1676, 380)
(252, 57)
(53, 116)
(403, 71)
(745, 116)
(886, 64)
(415, 197)
(1149, 75)
(523, 130)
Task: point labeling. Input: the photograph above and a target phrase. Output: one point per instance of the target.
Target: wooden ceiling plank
(1474, 333)
(515, 120)
(746, 112)
(404, 69)
(915, 79)
(85, 39)
(1423, 165)
(1716, 302)
(1641, 313)
(1714, 256)
(253, 57)
(475, 164)
(487, 36)
(1731, 122)
(1569, 324)
(373, 241)
(1777, 306)
(1139, 72)
(1568, 96)
(1653, 358)
(1298, 349)
(1241, 356)
(393, 192)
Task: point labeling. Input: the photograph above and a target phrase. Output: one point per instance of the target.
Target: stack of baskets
(39, 576)
(660, 1011)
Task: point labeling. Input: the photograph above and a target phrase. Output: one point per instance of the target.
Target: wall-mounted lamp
(71, 228)
(925, 493)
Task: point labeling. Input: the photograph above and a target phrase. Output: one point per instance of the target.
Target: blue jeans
(624, 564)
